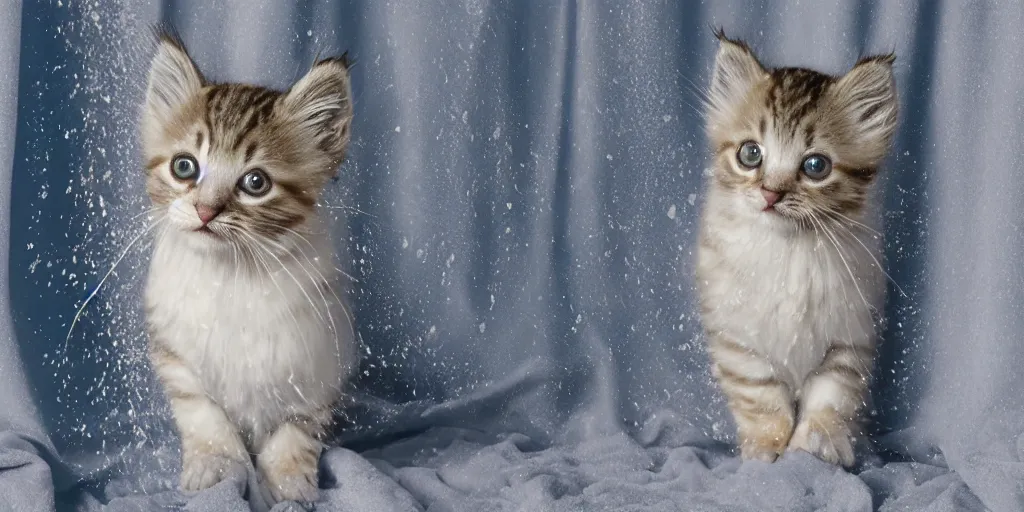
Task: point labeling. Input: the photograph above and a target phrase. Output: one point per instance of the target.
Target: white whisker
(842, 257)
(260, 260)
(99, 286)
(345, 207)
(846, 298)
(878, 264)
(869, 229)
(341, 303)
(316, 284)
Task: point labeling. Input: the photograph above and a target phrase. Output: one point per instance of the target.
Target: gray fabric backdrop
(521, 197)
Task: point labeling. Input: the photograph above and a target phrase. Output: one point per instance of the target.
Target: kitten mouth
(206, 231)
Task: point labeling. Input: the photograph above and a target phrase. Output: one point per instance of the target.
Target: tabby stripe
(250, 151)
(848, 375)
(745, 381)
(730, 345)
(849, 364)
(208, 123)
(155, 162)
(298, 193)
(251, 123)
(252, 114)
(856, 350)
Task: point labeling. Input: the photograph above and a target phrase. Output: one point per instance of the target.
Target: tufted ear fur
(736, 73)
(865, 101)
(321, 104)
(173, 80)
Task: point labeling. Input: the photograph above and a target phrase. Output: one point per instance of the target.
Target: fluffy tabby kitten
(247, 331)
(787, 269)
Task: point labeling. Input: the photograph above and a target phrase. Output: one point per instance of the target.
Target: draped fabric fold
(520, 202)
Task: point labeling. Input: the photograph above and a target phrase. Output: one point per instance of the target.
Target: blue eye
(816, 167)
(184, 167)
(256, 183)
(749, 154)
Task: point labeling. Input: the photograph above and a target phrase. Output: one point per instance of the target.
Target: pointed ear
(736, 73)
(321, 104)
(173, 79)
(865, 98)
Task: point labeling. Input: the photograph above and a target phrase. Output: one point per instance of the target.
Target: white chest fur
(259, 338)
(786, 293)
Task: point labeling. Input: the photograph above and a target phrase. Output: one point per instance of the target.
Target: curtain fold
(28, 459)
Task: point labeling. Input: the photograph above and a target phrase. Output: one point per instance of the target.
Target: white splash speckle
(692, 199)
(609, 157)
(483, 327)
(405, 243)
(666, 118)
(672, 212)
(497, 133)
(398, 129)
(451, 259)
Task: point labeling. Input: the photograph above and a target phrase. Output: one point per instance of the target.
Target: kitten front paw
(826, 437)
(288, 467)
(764, 437)
(758, 452)
(200, 472)
(294, 481)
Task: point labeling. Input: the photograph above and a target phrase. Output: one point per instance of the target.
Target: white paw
(761, 453)
(200, 472)
(830, 441)
(290, 479)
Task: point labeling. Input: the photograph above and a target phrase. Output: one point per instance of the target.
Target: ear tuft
(866, 99)
(344, 60)
(173, 78)
(321, 104)
(736, 72)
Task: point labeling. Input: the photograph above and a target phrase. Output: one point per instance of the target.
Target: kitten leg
(831, 400)
(288, 460)
(760, 402)
(210, 446)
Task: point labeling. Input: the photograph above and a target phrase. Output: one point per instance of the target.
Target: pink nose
(208, 213)
(770, 197)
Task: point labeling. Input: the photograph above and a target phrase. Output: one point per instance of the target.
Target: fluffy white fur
(796, 293)
(262, 343)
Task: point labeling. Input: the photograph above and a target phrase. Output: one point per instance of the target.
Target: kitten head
(237, 164)
(797, 145)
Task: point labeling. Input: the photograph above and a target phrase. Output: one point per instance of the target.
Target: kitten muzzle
(207, 213)
(771, 197)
